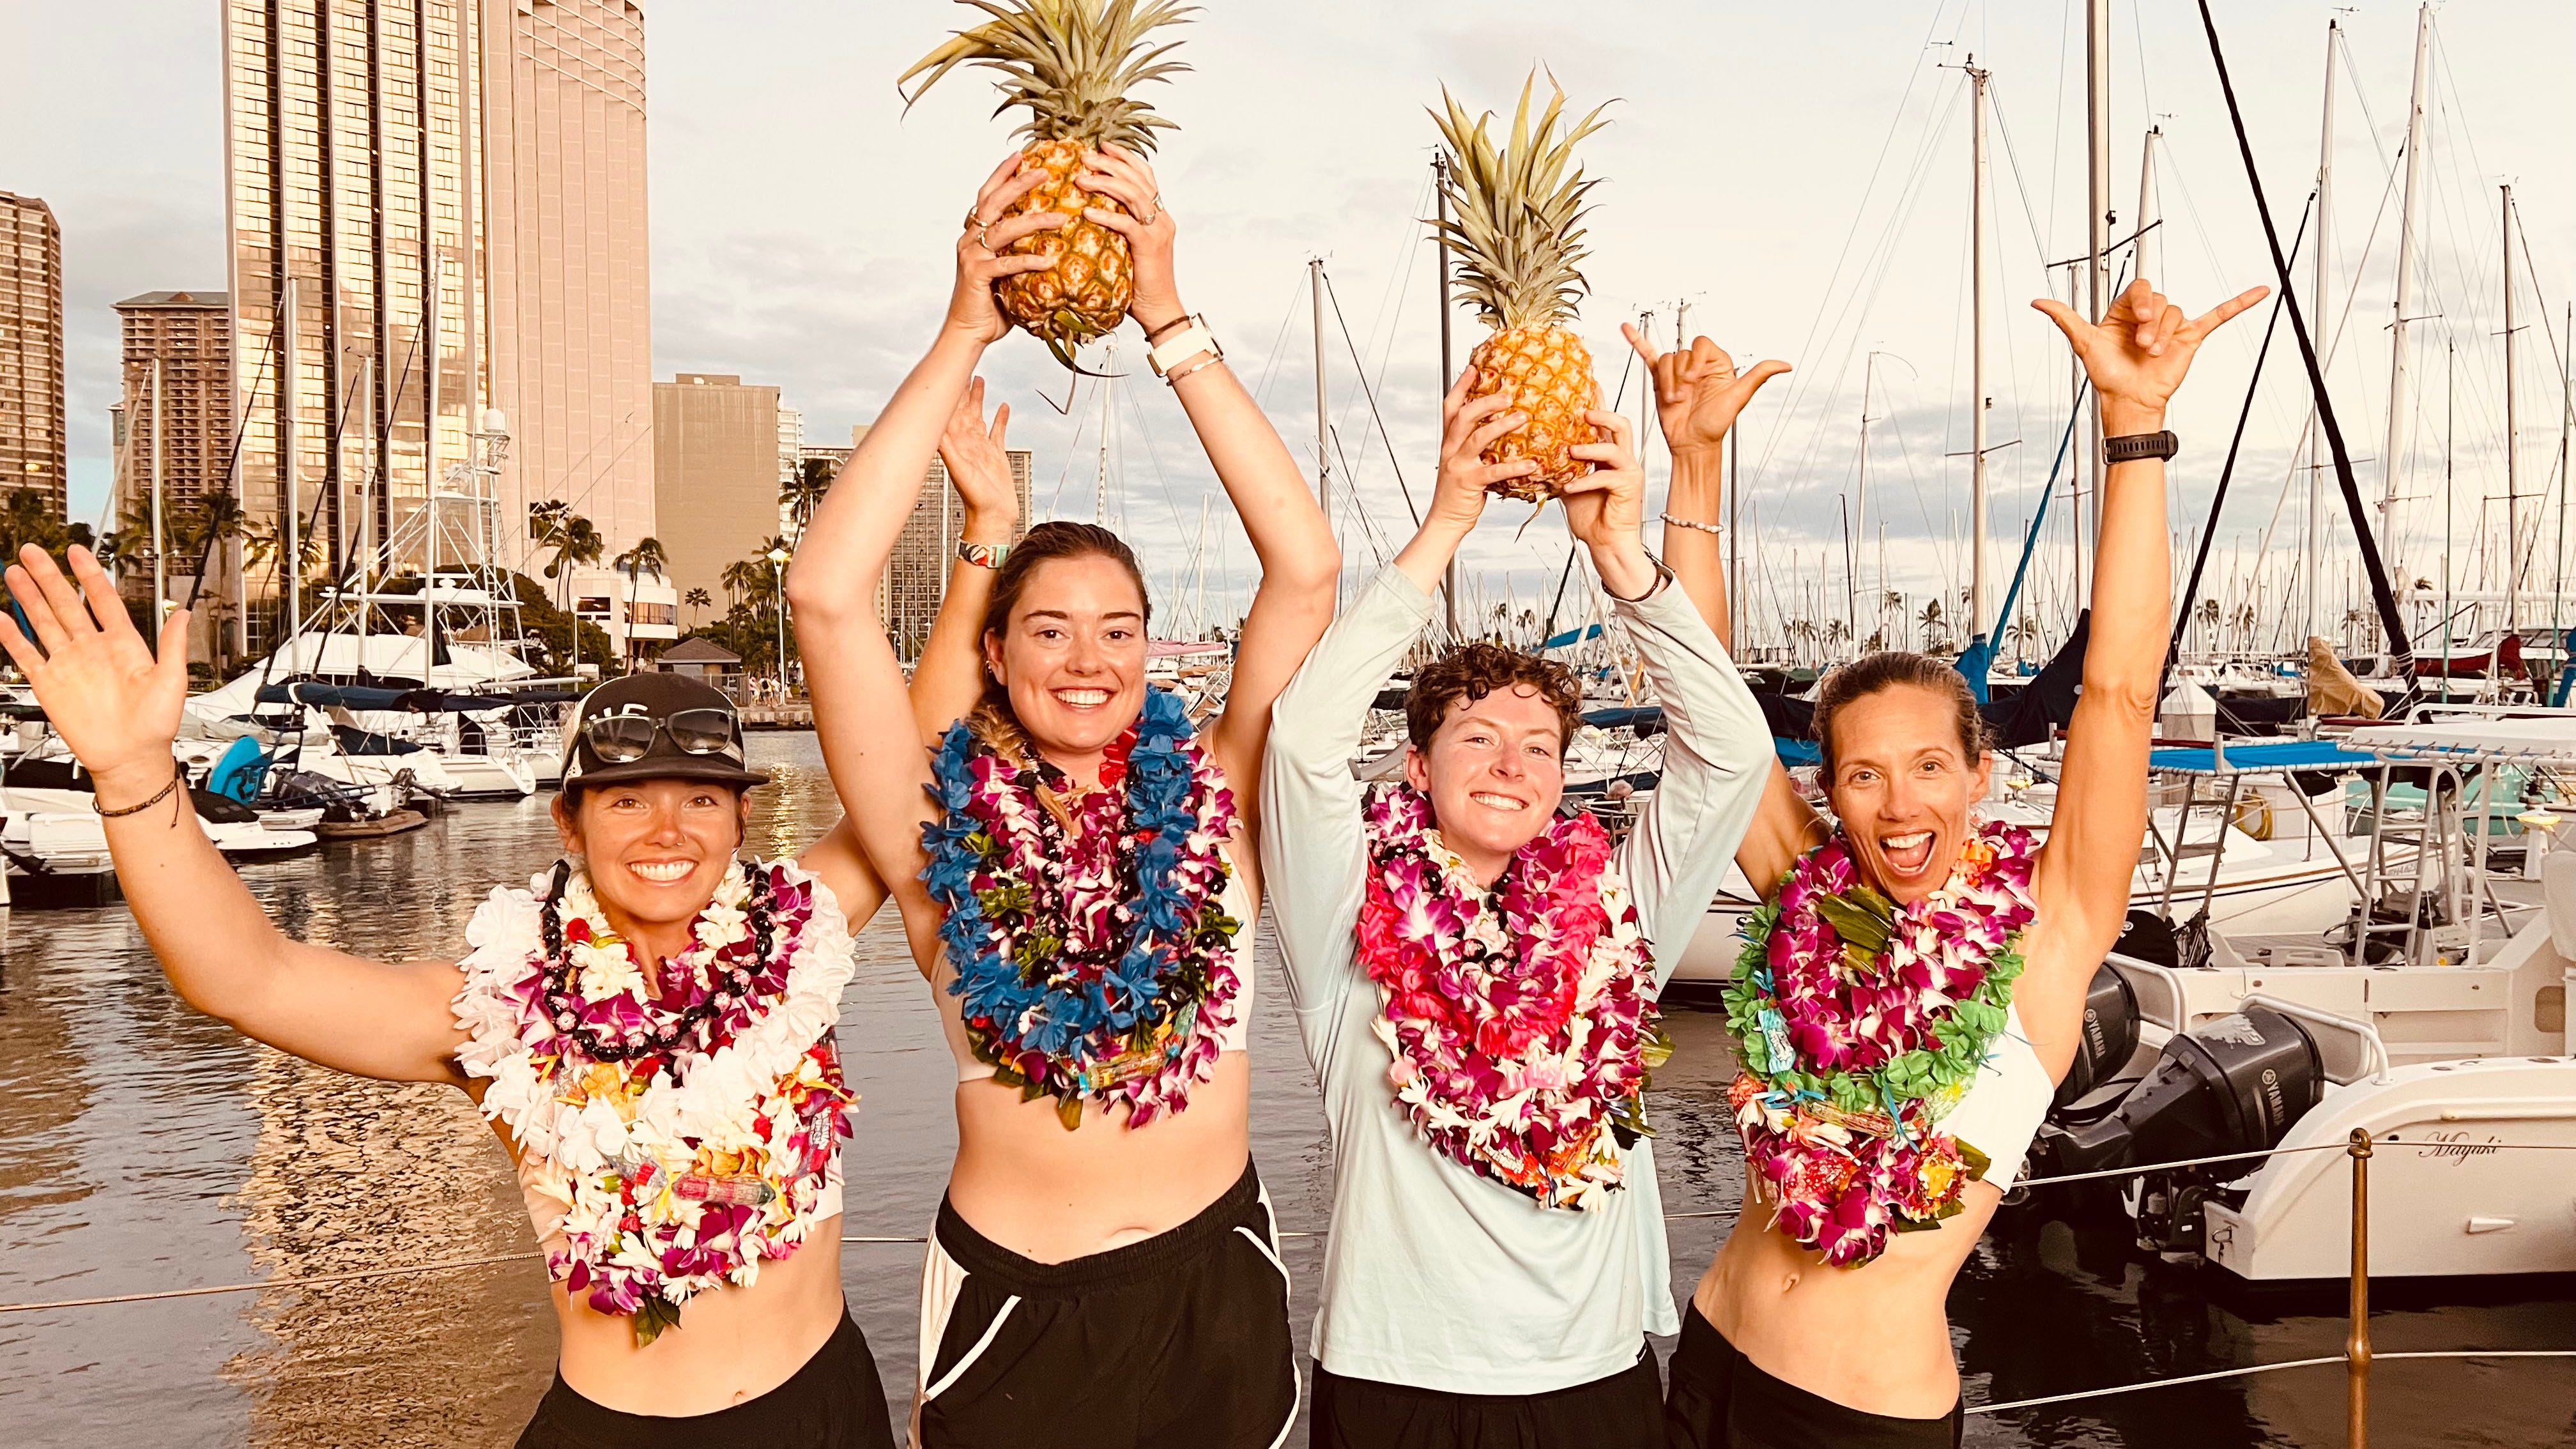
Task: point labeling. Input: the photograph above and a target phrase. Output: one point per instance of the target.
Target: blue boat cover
(2267, 755)
(239, 774)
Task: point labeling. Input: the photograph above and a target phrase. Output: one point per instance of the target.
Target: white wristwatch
(1190, 342)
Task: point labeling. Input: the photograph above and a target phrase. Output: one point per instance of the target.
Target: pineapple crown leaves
(1071, 62)
(1516, 213)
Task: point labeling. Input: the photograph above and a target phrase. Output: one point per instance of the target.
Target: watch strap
(1188, 343)
(2132, 447)
(982, 555)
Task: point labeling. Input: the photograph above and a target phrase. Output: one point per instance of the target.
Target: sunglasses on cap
(619, 738)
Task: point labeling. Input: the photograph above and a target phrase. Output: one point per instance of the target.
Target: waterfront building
(638, 614)
(916, 574)
(715, 475)
(31, 349)
(435, 209)
(176, 431)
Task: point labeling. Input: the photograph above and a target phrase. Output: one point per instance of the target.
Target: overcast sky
(1798, 173)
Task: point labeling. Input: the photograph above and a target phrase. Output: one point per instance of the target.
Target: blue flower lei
(1139, 1029)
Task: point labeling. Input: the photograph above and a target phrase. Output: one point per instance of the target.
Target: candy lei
(1522, 1019)
(1862, 1024)
(688, 1125)
(1094, 960)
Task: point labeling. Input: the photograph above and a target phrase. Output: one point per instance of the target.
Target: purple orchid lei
(1522, 1019)
(1861, 1024)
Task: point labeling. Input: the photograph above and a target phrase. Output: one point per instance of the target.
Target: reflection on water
(143, 1147)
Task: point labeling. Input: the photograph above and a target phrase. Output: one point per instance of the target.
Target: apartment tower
(916, 573)
(31, 349)
(178, 408)
(410, 184)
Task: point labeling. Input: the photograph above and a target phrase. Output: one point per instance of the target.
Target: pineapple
(1071, 62)
(1514, 222)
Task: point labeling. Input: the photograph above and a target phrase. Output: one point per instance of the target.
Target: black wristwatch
(2132, 447)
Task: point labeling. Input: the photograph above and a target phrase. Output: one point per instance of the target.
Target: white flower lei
(580, 1152)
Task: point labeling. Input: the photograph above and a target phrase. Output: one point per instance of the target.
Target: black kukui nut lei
(564, 1014)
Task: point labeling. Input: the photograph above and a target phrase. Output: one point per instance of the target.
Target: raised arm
(118, 706)
(949, 677)
(1300, 565)
(2136, 356)
(1698, 397)
(871, 738)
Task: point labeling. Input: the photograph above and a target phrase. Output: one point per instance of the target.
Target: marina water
(144, 1148)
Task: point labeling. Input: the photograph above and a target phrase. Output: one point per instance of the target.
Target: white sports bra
(1238, 903)
(2006, 1104)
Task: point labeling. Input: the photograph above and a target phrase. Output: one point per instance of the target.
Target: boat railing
(2357, 1358)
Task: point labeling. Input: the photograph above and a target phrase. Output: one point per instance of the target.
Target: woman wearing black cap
(1081, 891)
(649, 1028)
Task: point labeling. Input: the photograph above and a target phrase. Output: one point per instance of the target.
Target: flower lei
(1861, 1024)
(689, 1125)
(1522, 1019)
(1093, 954)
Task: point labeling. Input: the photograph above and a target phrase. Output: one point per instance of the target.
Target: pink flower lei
(686, 1116)
(1522, 1020)
(1861, 1024)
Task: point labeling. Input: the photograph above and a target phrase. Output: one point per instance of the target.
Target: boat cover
(2267, 756)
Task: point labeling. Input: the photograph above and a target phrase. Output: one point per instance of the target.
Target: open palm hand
(978, 459)
(112, 701)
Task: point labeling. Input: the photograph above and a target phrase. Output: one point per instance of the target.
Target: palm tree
(217, 518)
(2024, 633)
(1936, 625)
(800, 492)
(696, 599)
(2209, 613)
(745, 578)
(576, 541)
(1837, 632)
(646, 557)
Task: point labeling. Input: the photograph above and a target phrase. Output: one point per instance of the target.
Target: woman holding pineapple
(1075, 868)
(1886, 1108)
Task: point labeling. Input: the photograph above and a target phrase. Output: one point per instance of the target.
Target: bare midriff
(733, 1345)
(1874, 1338)
(1052, 1195)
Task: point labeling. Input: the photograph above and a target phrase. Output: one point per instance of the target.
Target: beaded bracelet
(1695, 523)
(157, 797)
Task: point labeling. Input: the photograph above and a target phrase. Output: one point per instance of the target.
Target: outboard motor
(2234, 1085)
(2109, 1040)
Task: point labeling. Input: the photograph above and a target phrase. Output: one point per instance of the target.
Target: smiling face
(1072, 656)
(1903, 787)
(1494, 771)
(656, 849)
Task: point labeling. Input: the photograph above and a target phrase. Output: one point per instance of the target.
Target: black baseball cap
(655, 696)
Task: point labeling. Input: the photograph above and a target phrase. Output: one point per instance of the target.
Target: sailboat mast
(2512, 439)
(2097, 226)
(1440, 198)
(2316, 545)
(1979, 180)
(1108, 417)
(1860, 502)
(1323, 423)
(291, 455)
(2150, 261)
(2409, 217)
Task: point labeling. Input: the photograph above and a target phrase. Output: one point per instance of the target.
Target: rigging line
(2401, 648)
(1072, 449)
(1860, 213)
(1333, 295)
(1408, 259)
(1154, 455)
(1261, 389)
(2227, 470)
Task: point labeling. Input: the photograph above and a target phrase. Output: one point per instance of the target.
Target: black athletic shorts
(1719, 1400)
(1177, 1342)
(1623, 1411)
(834, 1402)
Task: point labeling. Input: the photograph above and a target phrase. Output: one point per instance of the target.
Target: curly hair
(1890, 669)
(1472, 671)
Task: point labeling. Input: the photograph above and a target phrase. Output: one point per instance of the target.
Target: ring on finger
(1155, 214)
(981, 238)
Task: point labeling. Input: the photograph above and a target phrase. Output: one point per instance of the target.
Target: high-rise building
(178, 428)
(31, 349)
(437, 208)
(569, 271)
(715, 475)
(180, 342)
(916, 573)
